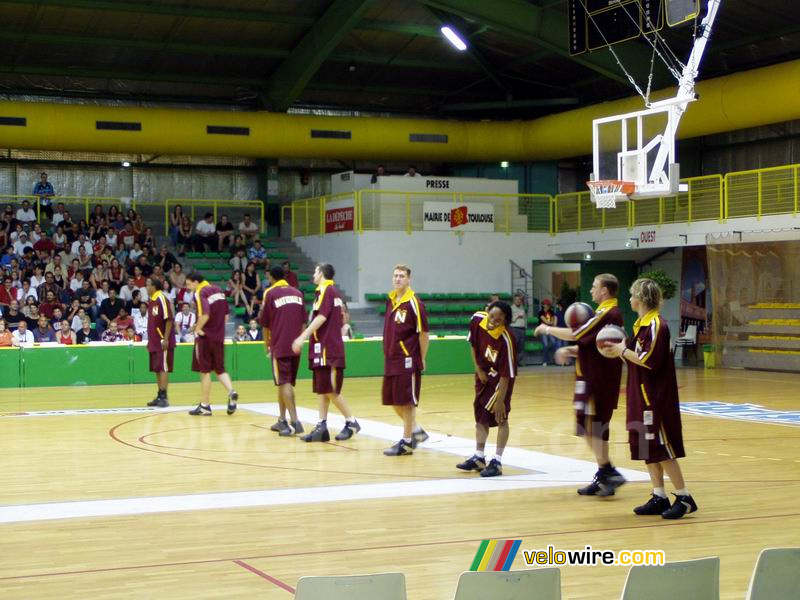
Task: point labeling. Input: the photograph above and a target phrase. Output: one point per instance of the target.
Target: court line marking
(268, 577)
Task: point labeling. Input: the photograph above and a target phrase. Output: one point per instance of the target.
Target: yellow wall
(745, 99)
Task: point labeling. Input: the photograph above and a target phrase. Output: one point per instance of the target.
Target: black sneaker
(159, 402)
(349, 430)
(609, 481)
(318, 434)
(233, 396)
(418, 437)
(682, 505)
(298, 427)
(655, 506)
(279, 425)
(202, 411)
(493, 469)
(473, 463)
(593, 488)
(401, 448)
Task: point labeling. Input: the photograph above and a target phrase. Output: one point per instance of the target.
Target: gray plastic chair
(695, 579)
(776, 574)
(386, 586)
(534, 584)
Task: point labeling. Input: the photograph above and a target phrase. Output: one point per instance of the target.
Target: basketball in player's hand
(608, 339)
(577, 314)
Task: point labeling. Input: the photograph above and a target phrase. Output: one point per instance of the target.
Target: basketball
(577, 315)
(607, 337)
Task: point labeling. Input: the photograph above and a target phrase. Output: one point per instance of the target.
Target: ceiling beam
(545, 28)
(287, 82)
(175, 10)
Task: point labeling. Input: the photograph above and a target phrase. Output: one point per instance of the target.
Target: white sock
(350, 419)
(498, 458)
(479, 453)
(660, 492)
(407, 440)
(682, 492)
(417, 429)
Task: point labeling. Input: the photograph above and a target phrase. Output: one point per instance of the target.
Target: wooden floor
(745, 477)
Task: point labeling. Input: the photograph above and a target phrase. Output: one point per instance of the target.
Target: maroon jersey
(595, 374)
(159, 312)
(282, 312)
(405, 319)
(326, 348)
(494, 352)
(653, 389)
(211, 301)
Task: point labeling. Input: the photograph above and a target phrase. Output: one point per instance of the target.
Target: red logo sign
(458, 216)
(339, 219)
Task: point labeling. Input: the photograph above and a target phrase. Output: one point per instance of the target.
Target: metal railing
(760, 192)
(196, 207)
(86, 203)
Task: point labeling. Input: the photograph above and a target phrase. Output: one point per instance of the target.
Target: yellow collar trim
(607, 304)
(156, 295)
(646, 320)
(278, 284)
(200, 286)
(326, 283)
(496, 332)
(407, 296)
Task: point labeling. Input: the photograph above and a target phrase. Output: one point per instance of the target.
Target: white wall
(543, 277)
(340, 250)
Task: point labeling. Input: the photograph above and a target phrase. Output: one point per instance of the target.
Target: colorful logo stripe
(495, 555)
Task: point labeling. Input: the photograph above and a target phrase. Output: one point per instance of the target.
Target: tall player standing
(160, 338)
(326, 355)
(405, 346)
(282, 318)
(209, 342)
(597, 381)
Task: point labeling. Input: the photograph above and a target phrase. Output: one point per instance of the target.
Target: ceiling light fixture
(453, 38)
(126, 164)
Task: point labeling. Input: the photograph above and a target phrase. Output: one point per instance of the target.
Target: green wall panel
(9, 368)
(75, 365)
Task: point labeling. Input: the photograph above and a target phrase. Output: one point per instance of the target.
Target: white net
(606, 194)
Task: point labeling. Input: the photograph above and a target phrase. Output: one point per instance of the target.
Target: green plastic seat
(381, 309)
(776, 574)
(436, 308)
(308, 296)
(375, 297)
(308, 288)
(239, 311)
(213, 255)
(277, 255)
(533, 346)
(436, 321)
(194, 255)
(439, 296)
(221, 266)
(425, 297)
(696, 579)
(533, 321)
(453, 321)
(203, 266)
(302, 276)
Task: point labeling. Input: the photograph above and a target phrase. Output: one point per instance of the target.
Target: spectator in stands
(5, 334)
(170, 292)
(118, 223)
(185, 322)
(412, 172)
(77, 281)
(22, 243)
(58, 315)
(85, 262)
(116, 274)
(144, 265)
(7, 295)
(59, 238)
(7, 257)
(379, 172)
(22, 335)
(234, 289)
(26, 215)
(86, 334)
(546, 317)
(239, 260)
(136, 300)
(205, 234)
(129, 335)
(248, 229)
(184, 236)
(98, 216)
(58, 281)
(165, 259)
(5, 232)
(254, 332)
(44, 245)
(148, 239)
(225, 232)
(135, 252)
(66, 336)
(25, 292)
(127, 238)
(13, 315)
(347, 328)
(35, 234)
(77, 320)
(140, 321)
(123, 320)
(111, 334)
(257, 254)
(81, 242)
(112, 239)
(126, 291)
(250, 286)
(289, 275)
(47, 307)
(99, 274)
(73, 309)
(175, 220)
(109, 309)
(492, 299)
(519, 320)
(44, 190)
(58, 216)
(44, 332)
(31, 313)
(177, 277)
(113, 213)
(240, 335)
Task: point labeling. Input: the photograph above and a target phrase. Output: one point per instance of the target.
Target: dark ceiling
(383, 56)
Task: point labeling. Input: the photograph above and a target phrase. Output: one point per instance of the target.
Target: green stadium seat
(308, 296)
(425, 297)
(533, 321)
(381, 308)
(437, 308)
(533, 347)
(436, 321)
(221, 266)
(302, 276)
(439, 297)
(455, 321)
(239, 311)
(375, 297)
(454, 296)
(217, 277)
(505, 297)
(307, 288)
(203, 266)
(462, 333)
(277, 255)
(194, 255)
(213, 255)
(358, 335)
(455, 308)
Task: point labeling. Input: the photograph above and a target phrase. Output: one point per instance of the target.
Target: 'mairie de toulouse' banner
(446, 216)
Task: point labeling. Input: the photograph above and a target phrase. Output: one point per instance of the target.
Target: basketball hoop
(607, 192)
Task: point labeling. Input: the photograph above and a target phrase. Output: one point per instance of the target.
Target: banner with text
(446, 216)
(339, 216)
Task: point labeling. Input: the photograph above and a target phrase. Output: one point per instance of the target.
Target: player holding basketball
(405, 346)
(160, 338)
(282, 318)
(495, 361)
(326, 355)
(209, 342)
(654, 417)
(597, 381)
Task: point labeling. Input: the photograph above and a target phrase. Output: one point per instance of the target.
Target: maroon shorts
(593, 411)
(208, 356)
(402, 390)
(327, 380)
(284, 370)
(484, 401)
(161, 362)
(665, 443)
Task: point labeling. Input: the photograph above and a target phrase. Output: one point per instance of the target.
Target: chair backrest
(534, 584)
(386, 586)
(776, 574)
(691, 332)
(695, 579)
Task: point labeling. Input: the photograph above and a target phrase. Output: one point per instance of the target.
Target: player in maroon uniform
(597, 381)
(282, 318)
(405, 346)
(654, 415)
(160, 338)
(495, 360)
(209, 341)
(326, 355)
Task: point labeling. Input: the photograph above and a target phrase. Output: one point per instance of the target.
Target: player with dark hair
(495, 360)
(597, 381)
(405, 346)
(326, 355)
(160, 338)
(654, 416)
(282, 318)
(209, 342)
